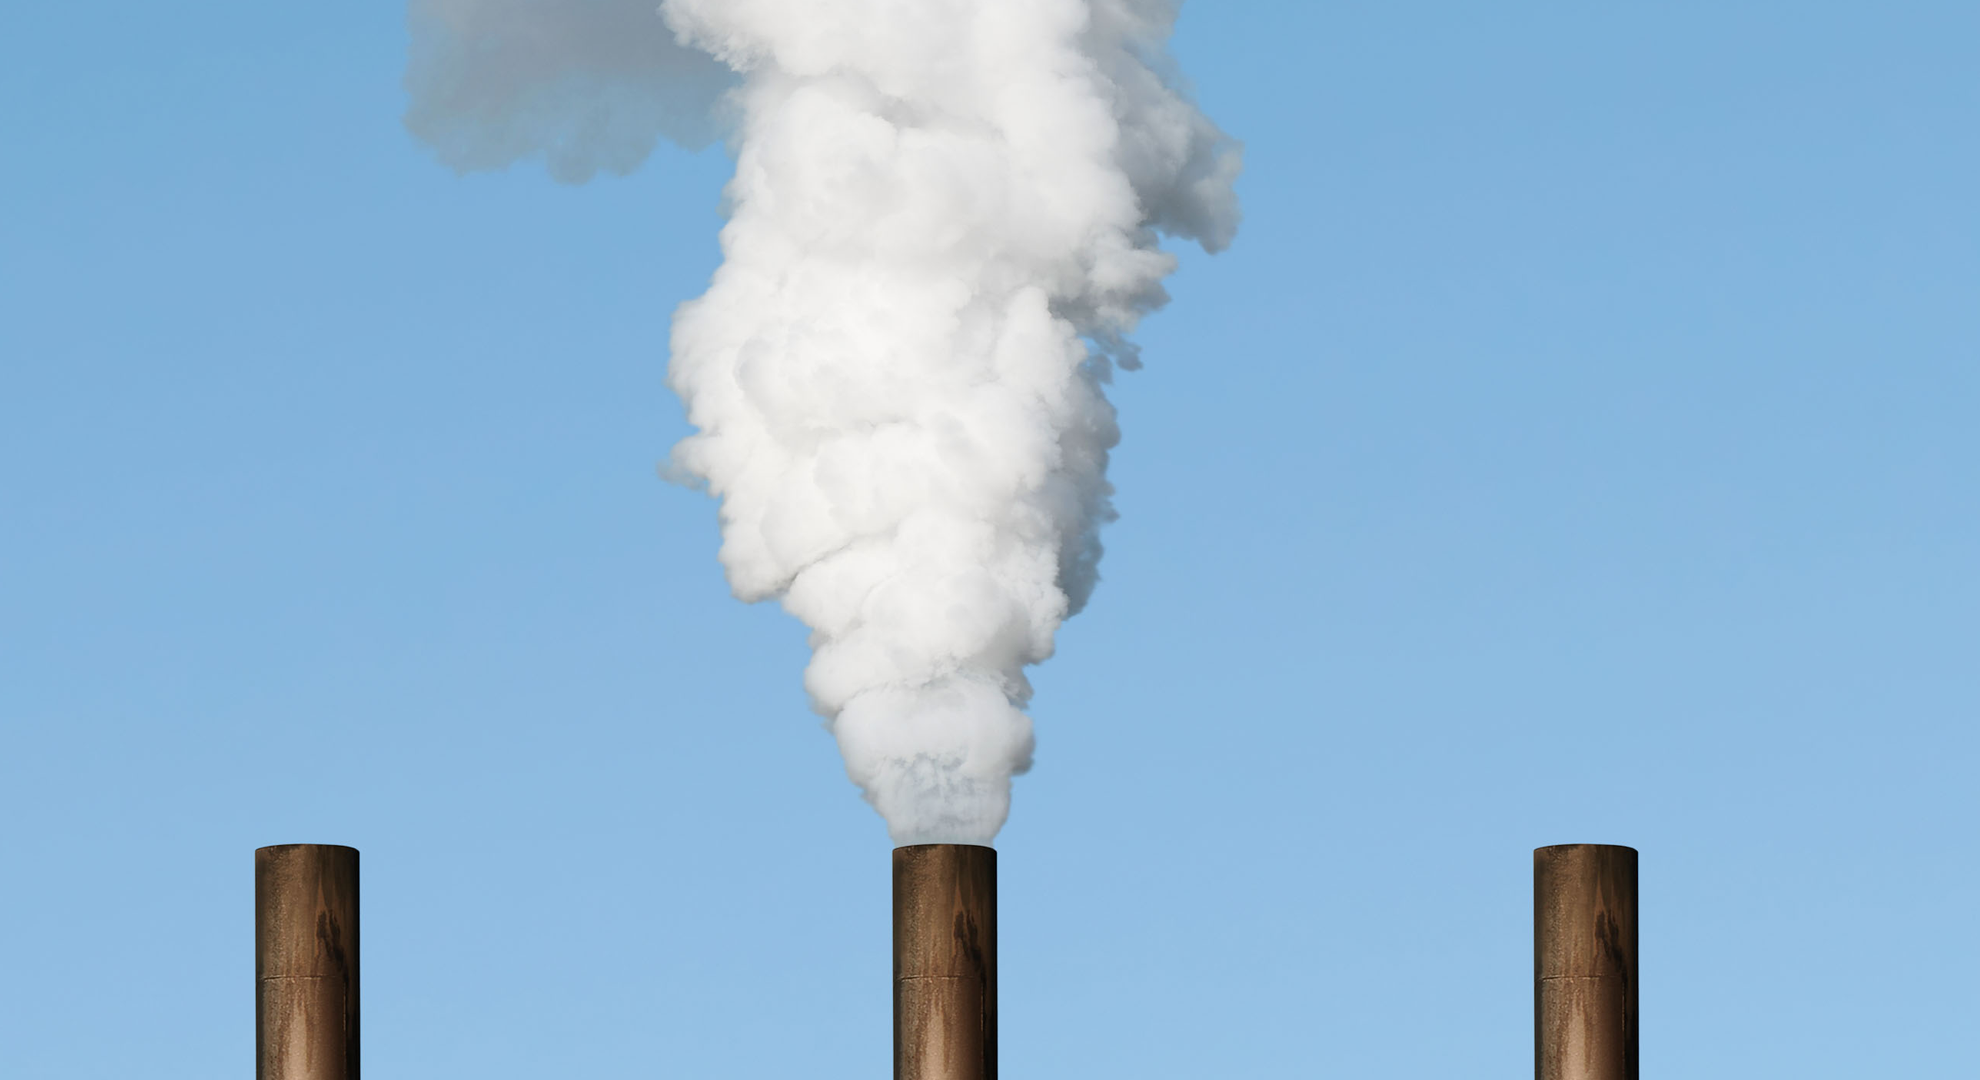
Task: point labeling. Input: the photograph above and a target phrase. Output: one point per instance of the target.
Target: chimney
(1584, 962)
(306, 962)
(945, 962)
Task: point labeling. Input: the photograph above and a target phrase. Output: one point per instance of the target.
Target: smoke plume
(943, 226)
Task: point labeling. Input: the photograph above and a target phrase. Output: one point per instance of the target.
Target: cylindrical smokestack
(306, 962)
(945, 962)
(1584, 962)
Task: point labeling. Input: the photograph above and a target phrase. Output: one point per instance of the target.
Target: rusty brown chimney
(306, 962)
(945, 962)
(1584, 962)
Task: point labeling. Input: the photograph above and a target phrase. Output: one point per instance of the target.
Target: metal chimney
(306, 962)
(1584, 962)
(945, 962)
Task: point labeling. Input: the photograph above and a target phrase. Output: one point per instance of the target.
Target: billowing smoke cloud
(944, 225)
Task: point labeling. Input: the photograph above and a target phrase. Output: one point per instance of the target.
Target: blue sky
(1578, 444)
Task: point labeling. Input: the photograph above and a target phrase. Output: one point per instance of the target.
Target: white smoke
(944, 224)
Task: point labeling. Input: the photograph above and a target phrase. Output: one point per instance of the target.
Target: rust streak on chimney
(945, 962)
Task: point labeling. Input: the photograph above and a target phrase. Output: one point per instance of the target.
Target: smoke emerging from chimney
(944, 224)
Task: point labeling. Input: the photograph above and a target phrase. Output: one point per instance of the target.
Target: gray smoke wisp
(585, 85)
(944, 225)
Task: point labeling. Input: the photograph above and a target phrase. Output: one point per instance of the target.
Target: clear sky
(1578, 444)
